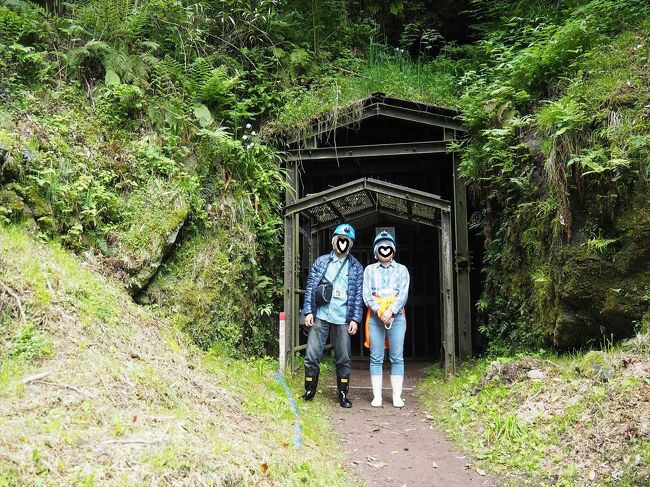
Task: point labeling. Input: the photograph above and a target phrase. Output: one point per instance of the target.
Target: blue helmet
(384, 235)
(346, 230)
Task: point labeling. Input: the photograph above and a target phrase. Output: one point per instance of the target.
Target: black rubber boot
(343, 384)
(311, 385)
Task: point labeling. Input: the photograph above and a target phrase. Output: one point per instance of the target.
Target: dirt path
(398, 447)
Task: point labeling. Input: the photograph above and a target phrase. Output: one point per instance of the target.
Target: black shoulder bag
(325, 288)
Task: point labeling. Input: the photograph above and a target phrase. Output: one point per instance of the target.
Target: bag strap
(337, 273)
(340, 268)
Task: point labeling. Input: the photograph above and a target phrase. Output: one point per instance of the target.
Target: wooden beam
(353, 217)
(463, 300)
(418, 116)
(295, 323)
(285, 333)
(324, 196)
(369, 184)
(389, 110)
(336, 211)
(376, 167)
(290, 255)
(446, 263)
(375, 150)
(407, 194)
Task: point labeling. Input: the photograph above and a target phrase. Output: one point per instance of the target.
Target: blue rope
(297, 436)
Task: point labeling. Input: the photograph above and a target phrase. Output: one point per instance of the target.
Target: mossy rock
(594, 300)
(150, 265)
(12, 205)
(156, 216)
(211, 276)
(37, 210)
(634, 228)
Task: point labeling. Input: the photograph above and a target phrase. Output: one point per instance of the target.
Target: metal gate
(352, 202)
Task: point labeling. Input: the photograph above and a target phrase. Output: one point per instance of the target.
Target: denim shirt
(335, 311)
(390, 281)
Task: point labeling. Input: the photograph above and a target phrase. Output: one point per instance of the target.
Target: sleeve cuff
(394, 310)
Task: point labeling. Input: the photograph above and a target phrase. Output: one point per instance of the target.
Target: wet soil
(390, 447)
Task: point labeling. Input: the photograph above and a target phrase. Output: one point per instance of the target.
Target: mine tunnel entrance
(386, 162)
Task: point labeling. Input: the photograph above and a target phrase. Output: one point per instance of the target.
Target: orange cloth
(384, 304)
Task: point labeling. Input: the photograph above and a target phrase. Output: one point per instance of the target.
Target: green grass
(394, 74)
(264, 397)
(117, 373)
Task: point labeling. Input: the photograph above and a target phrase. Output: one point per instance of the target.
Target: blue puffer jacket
(355, 287)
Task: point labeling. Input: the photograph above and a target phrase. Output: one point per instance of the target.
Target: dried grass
(127, 401)
(611, 416)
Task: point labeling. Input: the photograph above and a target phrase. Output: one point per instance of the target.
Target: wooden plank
(449, 340)
(374, 150)
(463, 300)
(285, 341)
(295, 323)
(289, 267)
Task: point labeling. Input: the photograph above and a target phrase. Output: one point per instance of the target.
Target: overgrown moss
(11, 205)
(155, 216)
(335, 99)
(634, 229)
(212, 277)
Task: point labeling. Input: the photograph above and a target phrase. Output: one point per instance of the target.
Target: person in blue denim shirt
(339, 318)
(385, 291)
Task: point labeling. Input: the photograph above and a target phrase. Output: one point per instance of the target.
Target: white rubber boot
(396, 384)
(376, 380)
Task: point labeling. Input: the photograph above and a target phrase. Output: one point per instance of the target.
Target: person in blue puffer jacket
(339, 318)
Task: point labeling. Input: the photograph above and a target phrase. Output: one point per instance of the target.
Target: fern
(600, 245)
(115, 21)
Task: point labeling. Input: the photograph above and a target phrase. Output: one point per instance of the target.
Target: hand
(386, 316)
(352, 328)
(309, 320)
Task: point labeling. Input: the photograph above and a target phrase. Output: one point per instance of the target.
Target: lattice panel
(353, 203)
(322, 213)
(392, 203)
(424, 211)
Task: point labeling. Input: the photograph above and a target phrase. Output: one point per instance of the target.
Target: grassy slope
(127, 401)
(587, 422)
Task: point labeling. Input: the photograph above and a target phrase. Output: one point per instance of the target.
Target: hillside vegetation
(131, 131)
(141, 192)
(95, 390)
(555, 97)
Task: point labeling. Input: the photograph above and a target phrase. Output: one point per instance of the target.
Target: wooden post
(441, 300)
(446, 263)
(285, 343)
(290, 230)
(295, 324)
(463, 300)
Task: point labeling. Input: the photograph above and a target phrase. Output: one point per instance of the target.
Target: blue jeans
(316, 344)
(395, 335)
